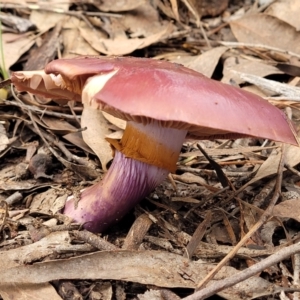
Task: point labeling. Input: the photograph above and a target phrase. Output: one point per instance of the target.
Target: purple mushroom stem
(128, 180)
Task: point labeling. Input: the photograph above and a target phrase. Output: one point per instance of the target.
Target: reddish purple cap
(141, 89)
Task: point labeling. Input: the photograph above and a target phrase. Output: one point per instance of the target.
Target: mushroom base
(124, 185)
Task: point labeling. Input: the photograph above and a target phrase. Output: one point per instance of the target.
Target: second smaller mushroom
(162, 103)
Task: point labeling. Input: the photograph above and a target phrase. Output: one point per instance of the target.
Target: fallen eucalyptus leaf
(275, 33)
(94, 136)
(122, 46)
(288, 209)
(14, 257)
(158, 268)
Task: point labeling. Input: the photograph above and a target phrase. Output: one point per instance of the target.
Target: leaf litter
(176, 236)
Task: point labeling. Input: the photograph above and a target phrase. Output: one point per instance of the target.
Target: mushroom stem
(129, 179)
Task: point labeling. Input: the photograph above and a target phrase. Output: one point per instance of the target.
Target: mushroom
(162, 103)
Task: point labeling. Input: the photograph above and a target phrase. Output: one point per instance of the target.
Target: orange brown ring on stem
(141, 146)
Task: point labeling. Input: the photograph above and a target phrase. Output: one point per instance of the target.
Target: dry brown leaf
(4, 141)
(255, 90)
(119, 5)
(122, 46)
(287, 11)
(87, 171)
(165, 8)
(196, 13)
(266, 30)
(288, 209)
(115, 121)
(117, 135)
(56, 125)
(48, 202)
(101, 289)
(41, 291)
(41, 55)
(61, 126)
(15, 23)
(268, 230)
(223, 234)
(211, 8)
(77, 140)
(174, 6)
(33, 252)
(15, 45)
(21, 185)
(15, 257)
(74, 43)
(254, 67)
(143, 21)
(190, 178)
(38, 18)
(251, 214)
(158, 268)
(150, 295)
(21, 2)
(225, 151)
(204, 63)
(270, 166)
(57, 5)
(8, 181)
(94, 136)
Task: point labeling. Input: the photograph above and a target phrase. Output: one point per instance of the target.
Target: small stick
(197, 236)
(137, 232)
(14, 198)
(270, 85)
(264, 217)
(95, 240)
(243, 275)
(39, 111)
(4, 83)
(248, 45)
(292, 169)
(296, 274)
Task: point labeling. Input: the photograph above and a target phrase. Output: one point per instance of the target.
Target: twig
(78, 14)
(296, 273)
(243, 275)
(4, 214)
(71, 106)
(4, 83)
(292, 169)
(215, 30)
(205, 35)
(197, 236)
(168, 295)
(283, 98)
(39, 111)
(264, 217)
(137, 232)
(14, 198)
(271, 85)
(264, 193)
(190, 6)
(95, 240)
(261, 46)
(49, 138)
(207, 199)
